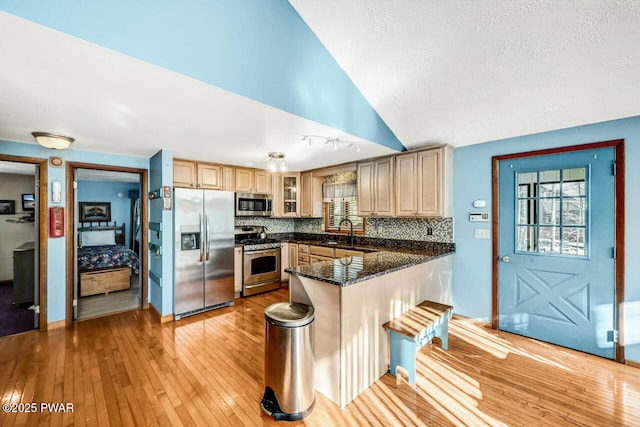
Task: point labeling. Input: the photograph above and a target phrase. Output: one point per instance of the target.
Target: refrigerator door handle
(201, 235)
(207, 237)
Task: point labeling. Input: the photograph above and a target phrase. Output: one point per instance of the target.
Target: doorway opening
(22, 254)
(109, 259)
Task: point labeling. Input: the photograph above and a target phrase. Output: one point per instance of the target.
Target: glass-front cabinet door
(290, 195)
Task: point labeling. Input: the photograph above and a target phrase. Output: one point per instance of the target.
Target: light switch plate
(483, 233)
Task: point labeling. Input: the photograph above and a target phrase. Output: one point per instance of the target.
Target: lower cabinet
(237, 270)
(303, 255)
(284, 261)
(308, 254)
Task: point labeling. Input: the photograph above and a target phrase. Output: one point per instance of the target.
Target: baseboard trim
(56, 325)
(156, 315)
(632, 363)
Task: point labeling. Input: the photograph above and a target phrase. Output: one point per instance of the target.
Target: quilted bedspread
(92, 257)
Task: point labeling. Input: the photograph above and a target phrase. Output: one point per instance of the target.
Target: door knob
(506, 258)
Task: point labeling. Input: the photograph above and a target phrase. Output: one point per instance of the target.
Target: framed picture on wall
(95, 211)
(7, 207)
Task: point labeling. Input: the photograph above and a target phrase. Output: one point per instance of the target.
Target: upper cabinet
(375, 187)
(184, 173)
(209, 176)
(289, 192)
(190, 174)
(424, 183)
(212, 176)
(286, 195)
(228, 178)
(310, 195)
(252, 181)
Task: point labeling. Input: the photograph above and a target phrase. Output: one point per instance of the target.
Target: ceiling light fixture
(276, 162)
(49, 140)
(335, 141)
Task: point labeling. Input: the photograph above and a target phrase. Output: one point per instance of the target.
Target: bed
(104, 262)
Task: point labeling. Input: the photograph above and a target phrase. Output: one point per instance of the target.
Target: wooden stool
(409, 332)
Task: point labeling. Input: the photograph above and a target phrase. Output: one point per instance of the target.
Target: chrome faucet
(351, 237)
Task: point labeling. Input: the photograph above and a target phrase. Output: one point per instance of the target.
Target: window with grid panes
(336, 211)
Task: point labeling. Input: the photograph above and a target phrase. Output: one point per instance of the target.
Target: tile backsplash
(274, 225)
(391, 228)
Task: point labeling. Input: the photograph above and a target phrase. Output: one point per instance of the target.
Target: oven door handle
(264, 251)
(201, 235)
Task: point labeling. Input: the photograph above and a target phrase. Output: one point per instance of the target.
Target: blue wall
(267, 51)
(106, 191)
(161, 266)
(56, 256)
(472, 180)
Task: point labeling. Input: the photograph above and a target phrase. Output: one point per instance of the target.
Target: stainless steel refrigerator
(204, 241)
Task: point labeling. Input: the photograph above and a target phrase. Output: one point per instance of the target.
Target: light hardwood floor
(113, 302)
(207, 370)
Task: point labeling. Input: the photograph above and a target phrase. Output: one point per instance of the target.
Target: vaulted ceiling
(230, 81)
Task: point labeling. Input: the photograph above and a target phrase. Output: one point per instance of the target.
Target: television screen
(28, 202)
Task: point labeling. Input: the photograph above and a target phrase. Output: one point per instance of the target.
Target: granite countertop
(381, 257)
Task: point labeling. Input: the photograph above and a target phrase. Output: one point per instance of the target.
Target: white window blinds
(341, 202)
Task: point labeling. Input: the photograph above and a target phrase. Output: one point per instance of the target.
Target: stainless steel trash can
(288, 361)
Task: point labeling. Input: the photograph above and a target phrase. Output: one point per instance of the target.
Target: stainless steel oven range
(261, 266)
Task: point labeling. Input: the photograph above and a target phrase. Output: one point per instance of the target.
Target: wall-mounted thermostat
(479, 216)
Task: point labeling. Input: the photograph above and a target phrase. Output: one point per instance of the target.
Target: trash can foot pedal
(271, 406)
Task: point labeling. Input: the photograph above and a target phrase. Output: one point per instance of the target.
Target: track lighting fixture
(335, 141)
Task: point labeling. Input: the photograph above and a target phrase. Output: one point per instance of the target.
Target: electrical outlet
(429, 231)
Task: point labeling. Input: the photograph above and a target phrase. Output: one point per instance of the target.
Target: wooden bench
(409, 332)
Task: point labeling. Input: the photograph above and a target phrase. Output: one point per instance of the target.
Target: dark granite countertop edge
(366, 244)
(421, 260)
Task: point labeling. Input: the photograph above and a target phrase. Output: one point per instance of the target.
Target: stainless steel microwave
(251, 204)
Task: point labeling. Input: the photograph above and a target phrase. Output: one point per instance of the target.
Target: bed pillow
(98, 238)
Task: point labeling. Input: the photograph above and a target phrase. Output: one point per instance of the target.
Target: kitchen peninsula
(353, 297)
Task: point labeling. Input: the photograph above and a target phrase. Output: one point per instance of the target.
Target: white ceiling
(463, 72)
(456, 72)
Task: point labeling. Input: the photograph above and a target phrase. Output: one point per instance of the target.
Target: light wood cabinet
(184, 173)
(310, 196)
(289, 192)
(262, 179)
(253, 180)
(424, 183)
(244, 180)
(341, 253)
(293, 254)
(284, 261)
(321, 251)
(308, 254)
(237, 270)
(286, 195)
(213, 176)
(375, 188)
(209, 176)
(190, 174)
(228, 178)
(303, 255)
